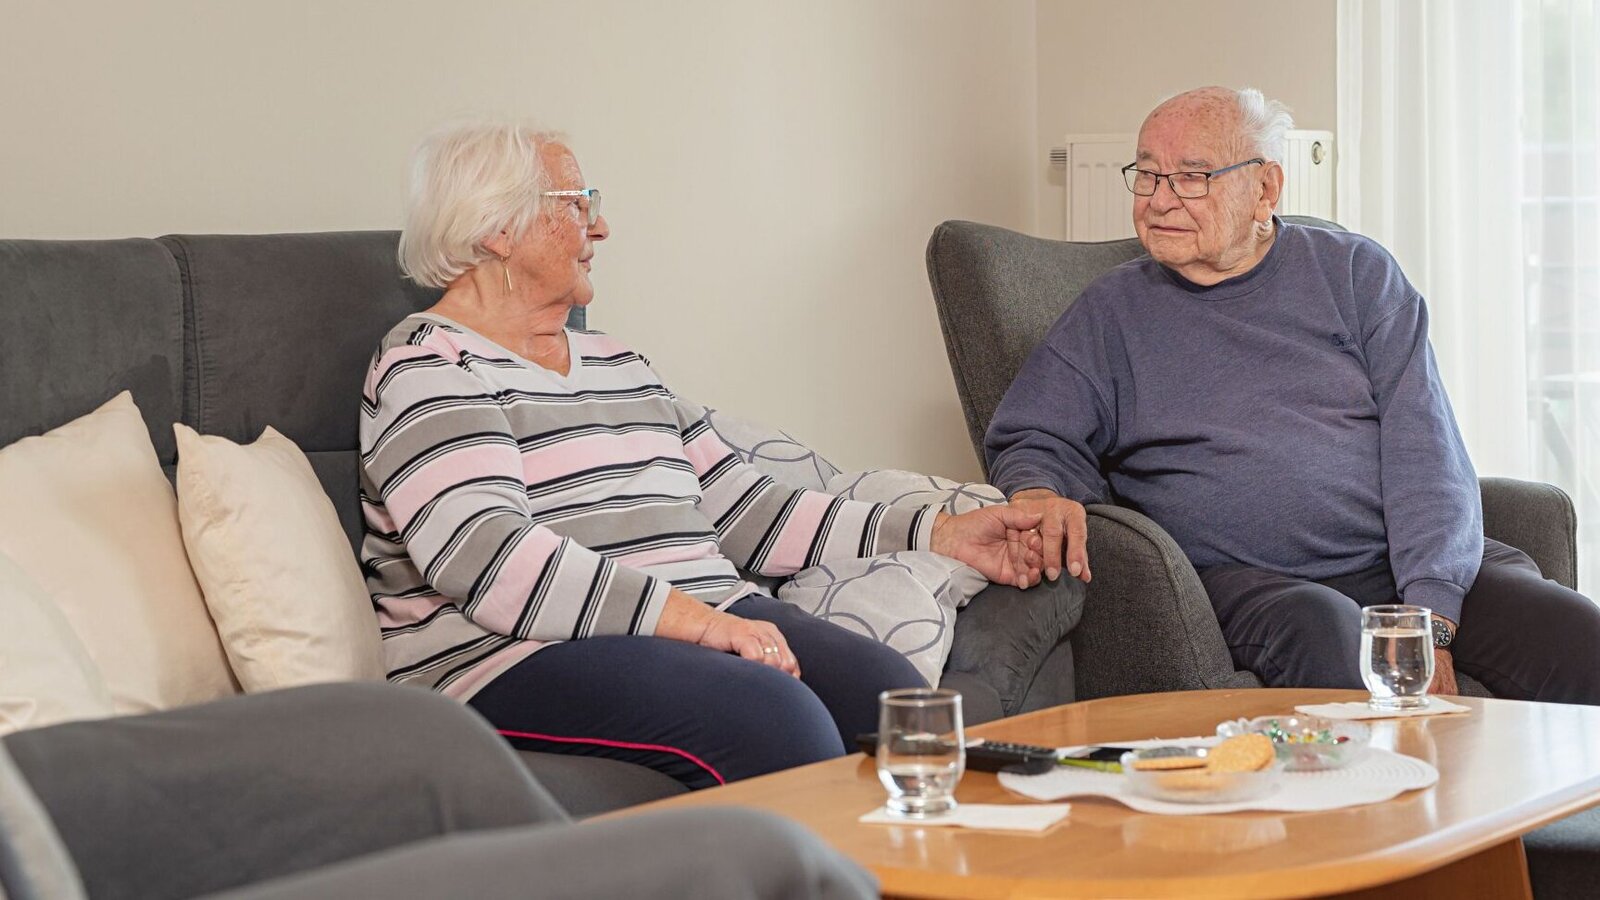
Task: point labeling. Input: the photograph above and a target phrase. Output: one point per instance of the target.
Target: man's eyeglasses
(1187, 185)
(587, 199)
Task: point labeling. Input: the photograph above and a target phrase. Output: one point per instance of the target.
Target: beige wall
(1103, 65)
(771, 170)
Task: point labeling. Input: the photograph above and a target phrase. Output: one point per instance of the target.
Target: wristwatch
(1443, 634)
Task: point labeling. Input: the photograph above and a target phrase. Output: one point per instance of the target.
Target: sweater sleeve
(1051, 429)
(440, 451)
(1432, 510)
(772, 529)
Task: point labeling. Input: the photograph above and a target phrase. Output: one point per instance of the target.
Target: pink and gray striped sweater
(508, 506)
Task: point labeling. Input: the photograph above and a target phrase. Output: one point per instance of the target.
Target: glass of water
(921, 750)
(1396, 656)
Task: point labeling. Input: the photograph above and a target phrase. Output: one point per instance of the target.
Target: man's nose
(1165, 197)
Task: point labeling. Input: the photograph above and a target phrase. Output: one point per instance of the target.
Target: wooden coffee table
(1505, 768)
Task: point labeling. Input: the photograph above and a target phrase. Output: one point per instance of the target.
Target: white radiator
(1099, 207)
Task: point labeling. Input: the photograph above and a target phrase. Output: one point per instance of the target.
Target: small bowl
(1306, 743)
(1195, 785)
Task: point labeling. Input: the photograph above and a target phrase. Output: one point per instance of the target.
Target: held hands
(999, 541)
(1063, 525)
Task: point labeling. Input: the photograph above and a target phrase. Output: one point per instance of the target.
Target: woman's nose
(600, 230)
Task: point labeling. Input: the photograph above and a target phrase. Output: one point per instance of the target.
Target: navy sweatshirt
(1290, 418)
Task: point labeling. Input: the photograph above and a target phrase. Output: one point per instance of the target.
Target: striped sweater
(508, 506)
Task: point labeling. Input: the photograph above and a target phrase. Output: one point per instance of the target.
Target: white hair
(1263, 125)
(470, 181)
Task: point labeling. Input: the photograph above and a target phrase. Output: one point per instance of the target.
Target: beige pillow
(45, 674)
(273, 563)
(90, 517)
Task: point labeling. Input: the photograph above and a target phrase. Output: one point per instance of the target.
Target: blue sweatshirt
(1290, 418)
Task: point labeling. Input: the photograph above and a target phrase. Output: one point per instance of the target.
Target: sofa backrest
(225, 333)
(998, 291)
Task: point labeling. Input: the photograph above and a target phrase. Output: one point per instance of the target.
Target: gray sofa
(232, 333)
(1147, 624)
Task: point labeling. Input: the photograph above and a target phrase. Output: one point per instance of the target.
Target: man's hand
(1064, 528)
(1444, 673)
(999, 541)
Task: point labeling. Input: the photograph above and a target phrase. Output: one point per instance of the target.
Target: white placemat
(1360, 710)
(987, 816)
(1376, 776)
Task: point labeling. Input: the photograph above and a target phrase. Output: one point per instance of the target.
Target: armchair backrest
(998, 292)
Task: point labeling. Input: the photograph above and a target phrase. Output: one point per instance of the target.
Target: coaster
(1360, 710)
(987, 816)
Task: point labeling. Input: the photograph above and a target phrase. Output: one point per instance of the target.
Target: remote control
(990, 756)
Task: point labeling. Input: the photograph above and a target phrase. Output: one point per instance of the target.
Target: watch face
(1442, 636)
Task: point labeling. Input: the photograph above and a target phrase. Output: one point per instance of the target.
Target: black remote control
(990, 756)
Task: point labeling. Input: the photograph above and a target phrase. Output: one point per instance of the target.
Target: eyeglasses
(1187, 185)
(587, 199)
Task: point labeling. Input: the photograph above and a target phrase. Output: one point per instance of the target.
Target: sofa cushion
(274, 565)
(46, 675)
(82, 320)
(91, 518)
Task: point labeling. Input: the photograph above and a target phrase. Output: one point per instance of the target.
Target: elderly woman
(552, 535)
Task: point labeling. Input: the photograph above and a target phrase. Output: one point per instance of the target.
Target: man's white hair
(1263, 125)
(470, 181)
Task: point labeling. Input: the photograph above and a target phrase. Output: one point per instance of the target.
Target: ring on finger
(769, 650)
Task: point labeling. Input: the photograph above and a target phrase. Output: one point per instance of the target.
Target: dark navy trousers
(1521, 635)
(701, 716)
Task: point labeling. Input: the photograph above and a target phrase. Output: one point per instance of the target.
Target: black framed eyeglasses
(587, 199)
(1187, 185)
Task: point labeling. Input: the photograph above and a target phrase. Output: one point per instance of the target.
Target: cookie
(1192, 780)
(1243, 753)
(1168, 763)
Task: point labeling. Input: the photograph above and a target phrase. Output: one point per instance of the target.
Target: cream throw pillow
(45, 674)
(274, 564)
(90, 517)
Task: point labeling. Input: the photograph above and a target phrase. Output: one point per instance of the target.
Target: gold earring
(506, 270)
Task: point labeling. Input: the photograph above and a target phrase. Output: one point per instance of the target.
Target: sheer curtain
(1468, 134)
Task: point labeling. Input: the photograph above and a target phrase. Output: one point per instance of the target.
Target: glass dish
(1306, 743)
(1195, 785)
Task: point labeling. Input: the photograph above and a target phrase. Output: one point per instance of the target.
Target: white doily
(1377, 776)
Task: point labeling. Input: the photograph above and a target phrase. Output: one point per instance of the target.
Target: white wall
(1104, 65)
(771, 171)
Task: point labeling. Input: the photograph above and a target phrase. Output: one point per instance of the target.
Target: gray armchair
(1147, 624)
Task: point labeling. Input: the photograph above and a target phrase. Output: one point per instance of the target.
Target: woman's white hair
(1263, 125)
(469, 182)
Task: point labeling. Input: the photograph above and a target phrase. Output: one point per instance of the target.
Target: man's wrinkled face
(1214, 232)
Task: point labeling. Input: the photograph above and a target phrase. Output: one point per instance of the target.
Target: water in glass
(921, 750)
(1396, 656)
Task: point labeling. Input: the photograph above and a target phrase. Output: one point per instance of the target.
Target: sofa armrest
(1147, 623)
(1537, 519)
(1004, 635)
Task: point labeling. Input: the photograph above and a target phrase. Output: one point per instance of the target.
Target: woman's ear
(499, 244)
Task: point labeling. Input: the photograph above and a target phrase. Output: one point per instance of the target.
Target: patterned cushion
(773, 453)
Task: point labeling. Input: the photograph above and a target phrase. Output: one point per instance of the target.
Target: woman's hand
(687, 619)
(999, 541)
(752, 639)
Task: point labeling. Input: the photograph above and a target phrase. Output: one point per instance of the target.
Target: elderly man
(1266, 392)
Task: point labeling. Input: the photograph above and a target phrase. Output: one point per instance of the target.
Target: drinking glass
(921, 750)
(1396, 656)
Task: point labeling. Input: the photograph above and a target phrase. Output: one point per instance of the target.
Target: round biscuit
(1168, 763)
(1242, 753)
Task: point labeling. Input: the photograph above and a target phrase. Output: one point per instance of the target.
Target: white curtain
(1467, 134)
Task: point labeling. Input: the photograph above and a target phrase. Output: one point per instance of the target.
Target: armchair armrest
(1537, 519)
(1147, 623)
(1005, 637)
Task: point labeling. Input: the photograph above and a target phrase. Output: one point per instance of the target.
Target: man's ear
(1271, 190)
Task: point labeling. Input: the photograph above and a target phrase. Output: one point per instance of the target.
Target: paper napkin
(1360, 710)
(987, 816)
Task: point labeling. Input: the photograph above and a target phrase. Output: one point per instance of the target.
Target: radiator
(1099, 207)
